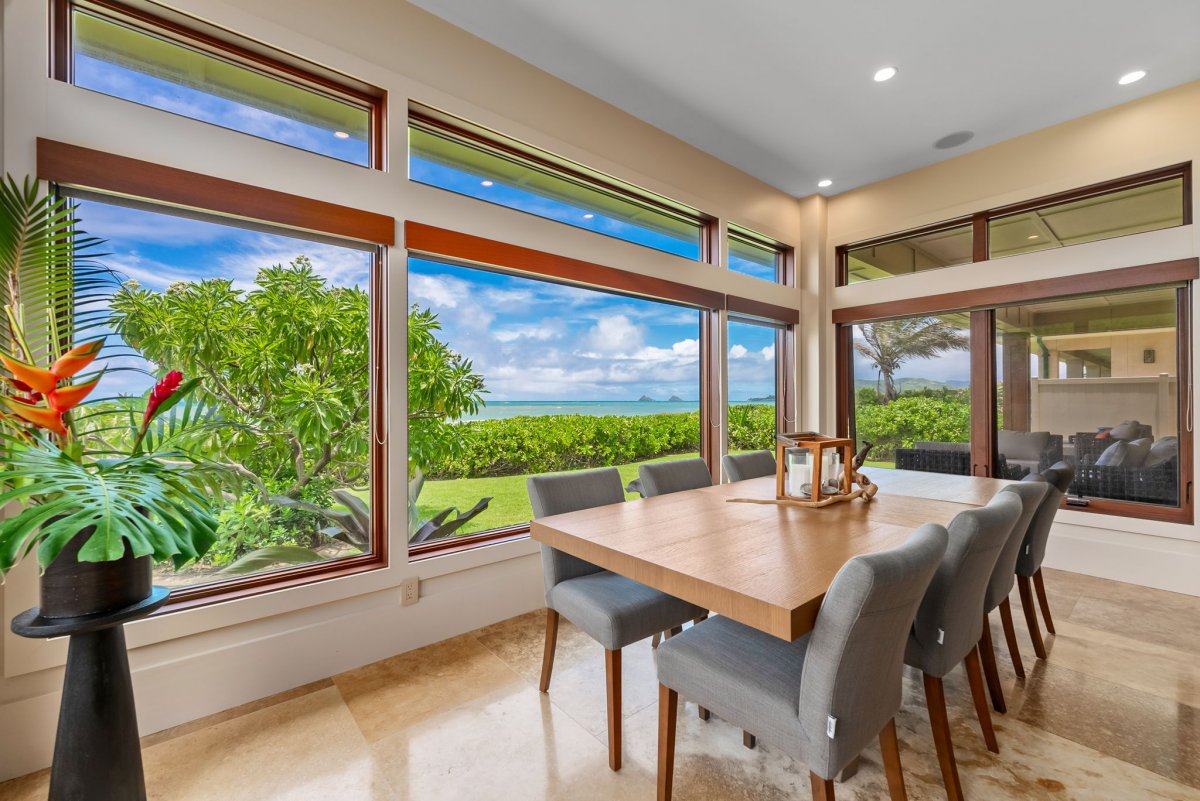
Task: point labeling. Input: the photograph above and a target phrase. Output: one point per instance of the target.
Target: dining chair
(824, 697)
(1000, 587)
(742, 466)
(947, 627)
(611, 609)
(676, 475)
(1033, 551)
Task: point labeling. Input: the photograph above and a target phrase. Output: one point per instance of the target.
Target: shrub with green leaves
(914, 418)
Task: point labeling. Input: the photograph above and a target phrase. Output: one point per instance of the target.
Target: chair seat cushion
(747, 677)
(616, 611)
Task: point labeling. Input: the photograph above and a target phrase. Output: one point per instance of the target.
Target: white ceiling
(783, 89)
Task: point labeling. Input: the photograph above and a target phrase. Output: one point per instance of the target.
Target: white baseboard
(1160, 562)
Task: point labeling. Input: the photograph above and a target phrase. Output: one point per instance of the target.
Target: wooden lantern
(788, 487)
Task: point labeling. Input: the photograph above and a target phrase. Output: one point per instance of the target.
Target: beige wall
(193, 663)
(1155, 131)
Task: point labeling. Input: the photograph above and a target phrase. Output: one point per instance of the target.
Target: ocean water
(498, 410)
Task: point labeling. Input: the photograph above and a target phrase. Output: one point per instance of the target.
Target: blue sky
(949, 367)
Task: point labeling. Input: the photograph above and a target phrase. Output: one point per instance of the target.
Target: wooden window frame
(442, 244)
(441, 123)
(85, 169)
(980, 220)
(202, 37)
(982, 304)
(785, 256)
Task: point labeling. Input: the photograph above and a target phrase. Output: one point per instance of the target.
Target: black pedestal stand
(97, 755)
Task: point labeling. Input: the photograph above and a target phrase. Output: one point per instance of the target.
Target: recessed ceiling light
(885, 74)
(588, 216)
(824, 183)
(341, 134)
(1131, 77)
(485, 183)
(1032, 236)
(954, 140)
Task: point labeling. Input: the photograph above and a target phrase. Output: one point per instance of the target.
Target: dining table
(730, 549)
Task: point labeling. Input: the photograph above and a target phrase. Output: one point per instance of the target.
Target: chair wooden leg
(975, 679)
(548, 654)
(848, 772)
(612, 670)
(939, 721)
(655, 640)
(1035, 632)
(991, 672)
(1039, 586)
(1010, 637)
(749, 740)
(890, 746)
(822, 789)
(700, 619)
(668, 710)
(703, 713)
(674, 631)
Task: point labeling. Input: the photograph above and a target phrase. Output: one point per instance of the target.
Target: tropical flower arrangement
(102, 472)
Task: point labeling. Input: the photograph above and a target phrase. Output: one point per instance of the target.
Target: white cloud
(737, 352)
(768, 353)
(614, 335)
(439, 291)
(548, 329)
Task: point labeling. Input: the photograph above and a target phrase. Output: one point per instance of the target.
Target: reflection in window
(1093, 380)
(580, 379)
(469, 167)
(912, 392)
(754, 255)
(278, 330)
(753, 394)
(1128, 211)
(119, 60)
(914, 254)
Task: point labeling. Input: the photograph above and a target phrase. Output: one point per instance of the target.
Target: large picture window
(752, 415)
(278, 330)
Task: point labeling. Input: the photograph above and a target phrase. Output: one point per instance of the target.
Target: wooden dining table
(763, 564)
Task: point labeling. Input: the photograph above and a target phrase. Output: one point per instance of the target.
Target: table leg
(97, 754)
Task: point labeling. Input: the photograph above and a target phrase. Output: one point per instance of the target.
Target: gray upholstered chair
(675, 475)
(824, 697)
(742, 466)
(613, 610)
(948, 627)
(1033, 551)
(1000, 587)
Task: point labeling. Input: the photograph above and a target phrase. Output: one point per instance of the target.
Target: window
(754, 255)
(1093, 380)
(581, 379)
(912, 392)
(1128, 211)
(278, 329)
(1148, 201)
(187, 69)
(454, 155)
(751, 414)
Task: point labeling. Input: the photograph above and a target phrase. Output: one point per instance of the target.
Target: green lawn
(510, 502)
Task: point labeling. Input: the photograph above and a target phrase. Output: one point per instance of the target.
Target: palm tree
(891, 343)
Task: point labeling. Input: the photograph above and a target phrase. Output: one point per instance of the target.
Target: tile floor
(1113, 714)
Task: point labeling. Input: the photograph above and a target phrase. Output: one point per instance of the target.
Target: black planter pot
(71, 588)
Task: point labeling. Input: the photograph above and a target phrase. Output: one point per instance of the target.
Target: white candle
(799, 474)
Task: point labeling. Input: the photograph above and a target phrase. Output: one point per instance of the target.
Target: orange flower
(37, 378)
(65, 399)
(76, 359)
(49, 419)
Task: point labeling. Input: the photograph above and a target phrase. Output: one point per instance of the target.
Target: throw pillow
(1127, 430)
(1114, 455)
(1164, 450)
(1136, 453)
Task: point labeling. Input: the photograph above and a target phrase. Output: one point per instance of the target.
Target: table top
(765, 565)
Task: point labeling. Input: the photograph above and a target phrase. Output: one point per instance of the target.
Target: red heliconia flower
(162, 390)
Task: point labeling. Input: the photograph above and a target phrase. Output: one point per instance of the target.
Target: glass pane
(580, 379)
(1129, 211)
(752, 389)
(277, 329)
(912, 255)
(126, 63)
(912, 392)
(751, 258)
(507, 180)
(1094, 381)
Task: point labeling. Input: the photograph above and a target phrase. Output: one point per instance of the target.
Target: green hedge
(523, 445)
(910, 419)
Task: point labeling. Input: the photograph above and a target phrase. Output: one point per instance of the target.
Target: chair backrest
(851, 684)
(742, 466)
(1033, 550)
(948, 623)
(1031, 494)
(560, 493)
(676, 475)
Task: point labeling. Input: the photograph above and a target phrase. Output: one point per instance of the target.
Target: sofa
(1127, 465)
(948, 457)
(1035, 451)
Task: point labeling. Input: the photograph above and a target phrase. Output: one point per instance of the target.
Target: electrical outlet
(410, 591)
